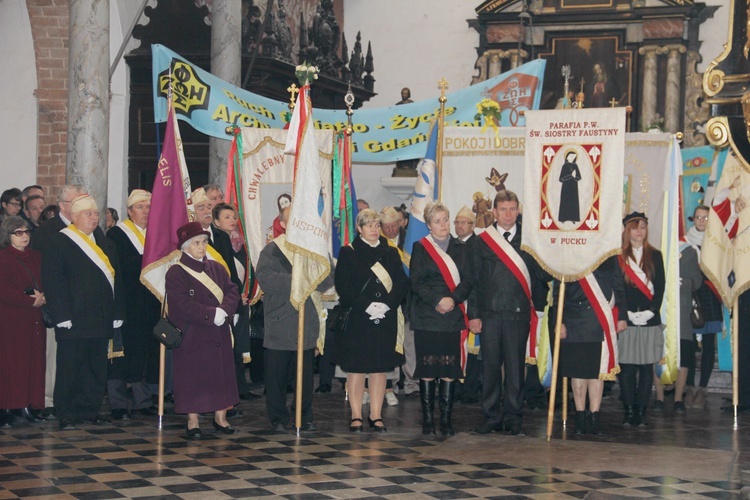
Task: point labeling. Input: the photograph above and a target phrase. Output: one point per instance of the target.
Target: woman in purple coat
(201, 302)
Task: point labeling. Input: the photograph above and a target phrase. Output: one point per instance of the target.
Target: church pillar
(672, 107)
(226, 63)
(648, 101)
(88, 98)
(495, 65)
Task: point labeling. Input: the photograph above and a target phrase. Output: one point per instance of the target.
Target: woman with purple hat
(642, 343)
(201, 301)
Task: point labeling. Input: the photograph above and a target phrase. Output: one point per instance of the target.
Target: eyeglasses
(701, 217)
(14, 204)
(462, 222)
(21, 232)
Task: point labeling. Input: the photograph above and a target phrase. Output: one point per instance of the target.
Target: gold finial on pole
(443, 85)
(580, 96)
(293, 91)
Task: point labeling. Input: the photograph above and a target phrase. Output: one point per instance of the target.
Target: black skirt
(438, 354)
(580, 359)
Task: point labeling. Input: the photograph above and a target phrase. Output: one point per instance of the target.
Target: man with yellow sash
(82, 282)
(140, 365)
(510, 288)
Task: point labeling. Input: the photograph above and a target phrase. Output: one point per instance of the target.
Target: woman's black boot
(593, 423)
(447, 389)
(427, 396)
(580, 423)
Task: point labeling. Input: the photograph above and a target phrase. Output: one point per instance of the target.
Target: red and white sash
(637, 277)
(452, 278)
(606, 312)
(508, 256)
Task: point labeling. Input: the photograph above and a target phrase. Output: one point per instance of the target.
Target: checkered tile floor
(135, 460)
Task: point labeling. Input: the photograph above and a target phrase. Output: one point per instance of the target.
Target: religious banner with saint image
(573, 188)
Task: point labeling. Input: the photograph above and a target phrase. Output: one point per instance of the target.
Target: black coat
(49, 227)
(142, 313)
(76, 289)
(428, 288)
(579, 317)
(497, 291)
(639, 302)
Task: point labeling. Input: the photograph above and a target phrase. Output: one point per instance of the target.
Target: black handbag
(697, 317)
(165, 332)
(339, 318)
(49, 322)
(257, 330)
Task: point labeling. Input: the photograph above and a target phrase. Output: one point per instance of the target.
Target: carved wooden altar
(622, 52)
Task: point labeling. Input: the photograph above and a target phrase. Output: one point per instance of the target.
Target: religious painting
(599, 68)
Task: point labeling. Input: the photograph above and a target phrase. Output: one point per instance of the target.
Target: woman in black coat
(439, 275)
(371, 284)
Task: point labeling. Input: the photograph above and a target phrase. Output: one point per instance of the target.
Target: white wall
(18, 108)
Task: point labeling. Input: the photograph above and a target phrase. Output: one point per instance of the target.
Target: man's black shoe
(234, 412)
(67, 424)
(278, 427)
(250, 396)
(468, 400)
(48, 413)
(151, 411)
(514, 429)
(730, 408)
(120, 414)
(97, 420)
(323, 388)
(488, 427)
(308, 427)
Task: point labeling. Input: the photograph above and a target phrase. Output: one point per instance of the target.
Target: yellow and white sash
(92, 251)
(135, 234)
(405, 259)
(316, 296)
(214, 255)
(206, 281)
(387, 281)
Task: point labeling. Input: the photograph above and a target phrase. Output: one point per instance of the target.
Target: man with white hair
(140, 366)
(39, 239)
(83, 286)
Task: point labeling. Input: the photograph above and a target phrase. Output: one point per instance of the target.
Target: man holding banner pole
(510, 289)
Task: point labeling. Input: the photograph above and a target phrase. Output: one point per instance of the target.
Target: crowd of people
(78, 321)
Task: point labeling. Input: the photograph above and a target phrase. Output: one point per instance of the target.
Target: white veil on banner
(573, 188)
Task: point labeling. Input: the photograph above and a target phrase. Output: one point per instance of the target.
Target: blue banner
(381, 135)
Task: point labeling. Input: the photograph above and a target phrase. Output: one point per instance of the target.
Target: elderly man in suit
(140, 366)
(81, 276)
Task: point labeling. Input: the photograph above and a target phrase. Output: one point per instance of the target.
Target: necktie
(506, 235)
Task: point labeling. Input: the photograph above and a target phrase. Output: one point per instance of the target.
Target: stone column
(672, 105)
(648, 101)
(226, 63)
(88, 98)
(496, 64)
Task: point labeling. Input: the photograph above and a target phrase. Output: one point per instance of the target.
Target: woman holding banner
(439, 274)
(594, 313)
(642, 344)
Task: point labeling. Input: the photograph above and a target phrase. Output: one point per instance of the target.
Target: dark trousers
(743, 351)
(239, 372)
(326, 367)
(473, 379)
(278, 365)
(257, 352)
(635, 384)
(534, 391)
(81, 377)
(708, 359)
(503, 344)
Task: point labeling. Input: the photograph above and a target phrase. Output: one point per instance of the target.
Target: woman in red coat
(23, 338)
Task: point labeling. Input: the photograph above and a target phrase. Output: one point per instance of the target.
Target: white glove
(65, 324)
(220, 317)
(646, 316)
(236, 319)
(377, 310)
(117, 323)
(640, 318)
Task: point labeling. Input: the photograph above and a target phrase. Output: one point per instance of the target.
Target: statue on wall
(405, 168)
(325, 35)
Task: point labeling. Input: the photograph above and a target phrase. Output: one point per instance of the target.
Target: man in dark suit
(39, 239)
(140, 365)
(80, 273)
(500, 311)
